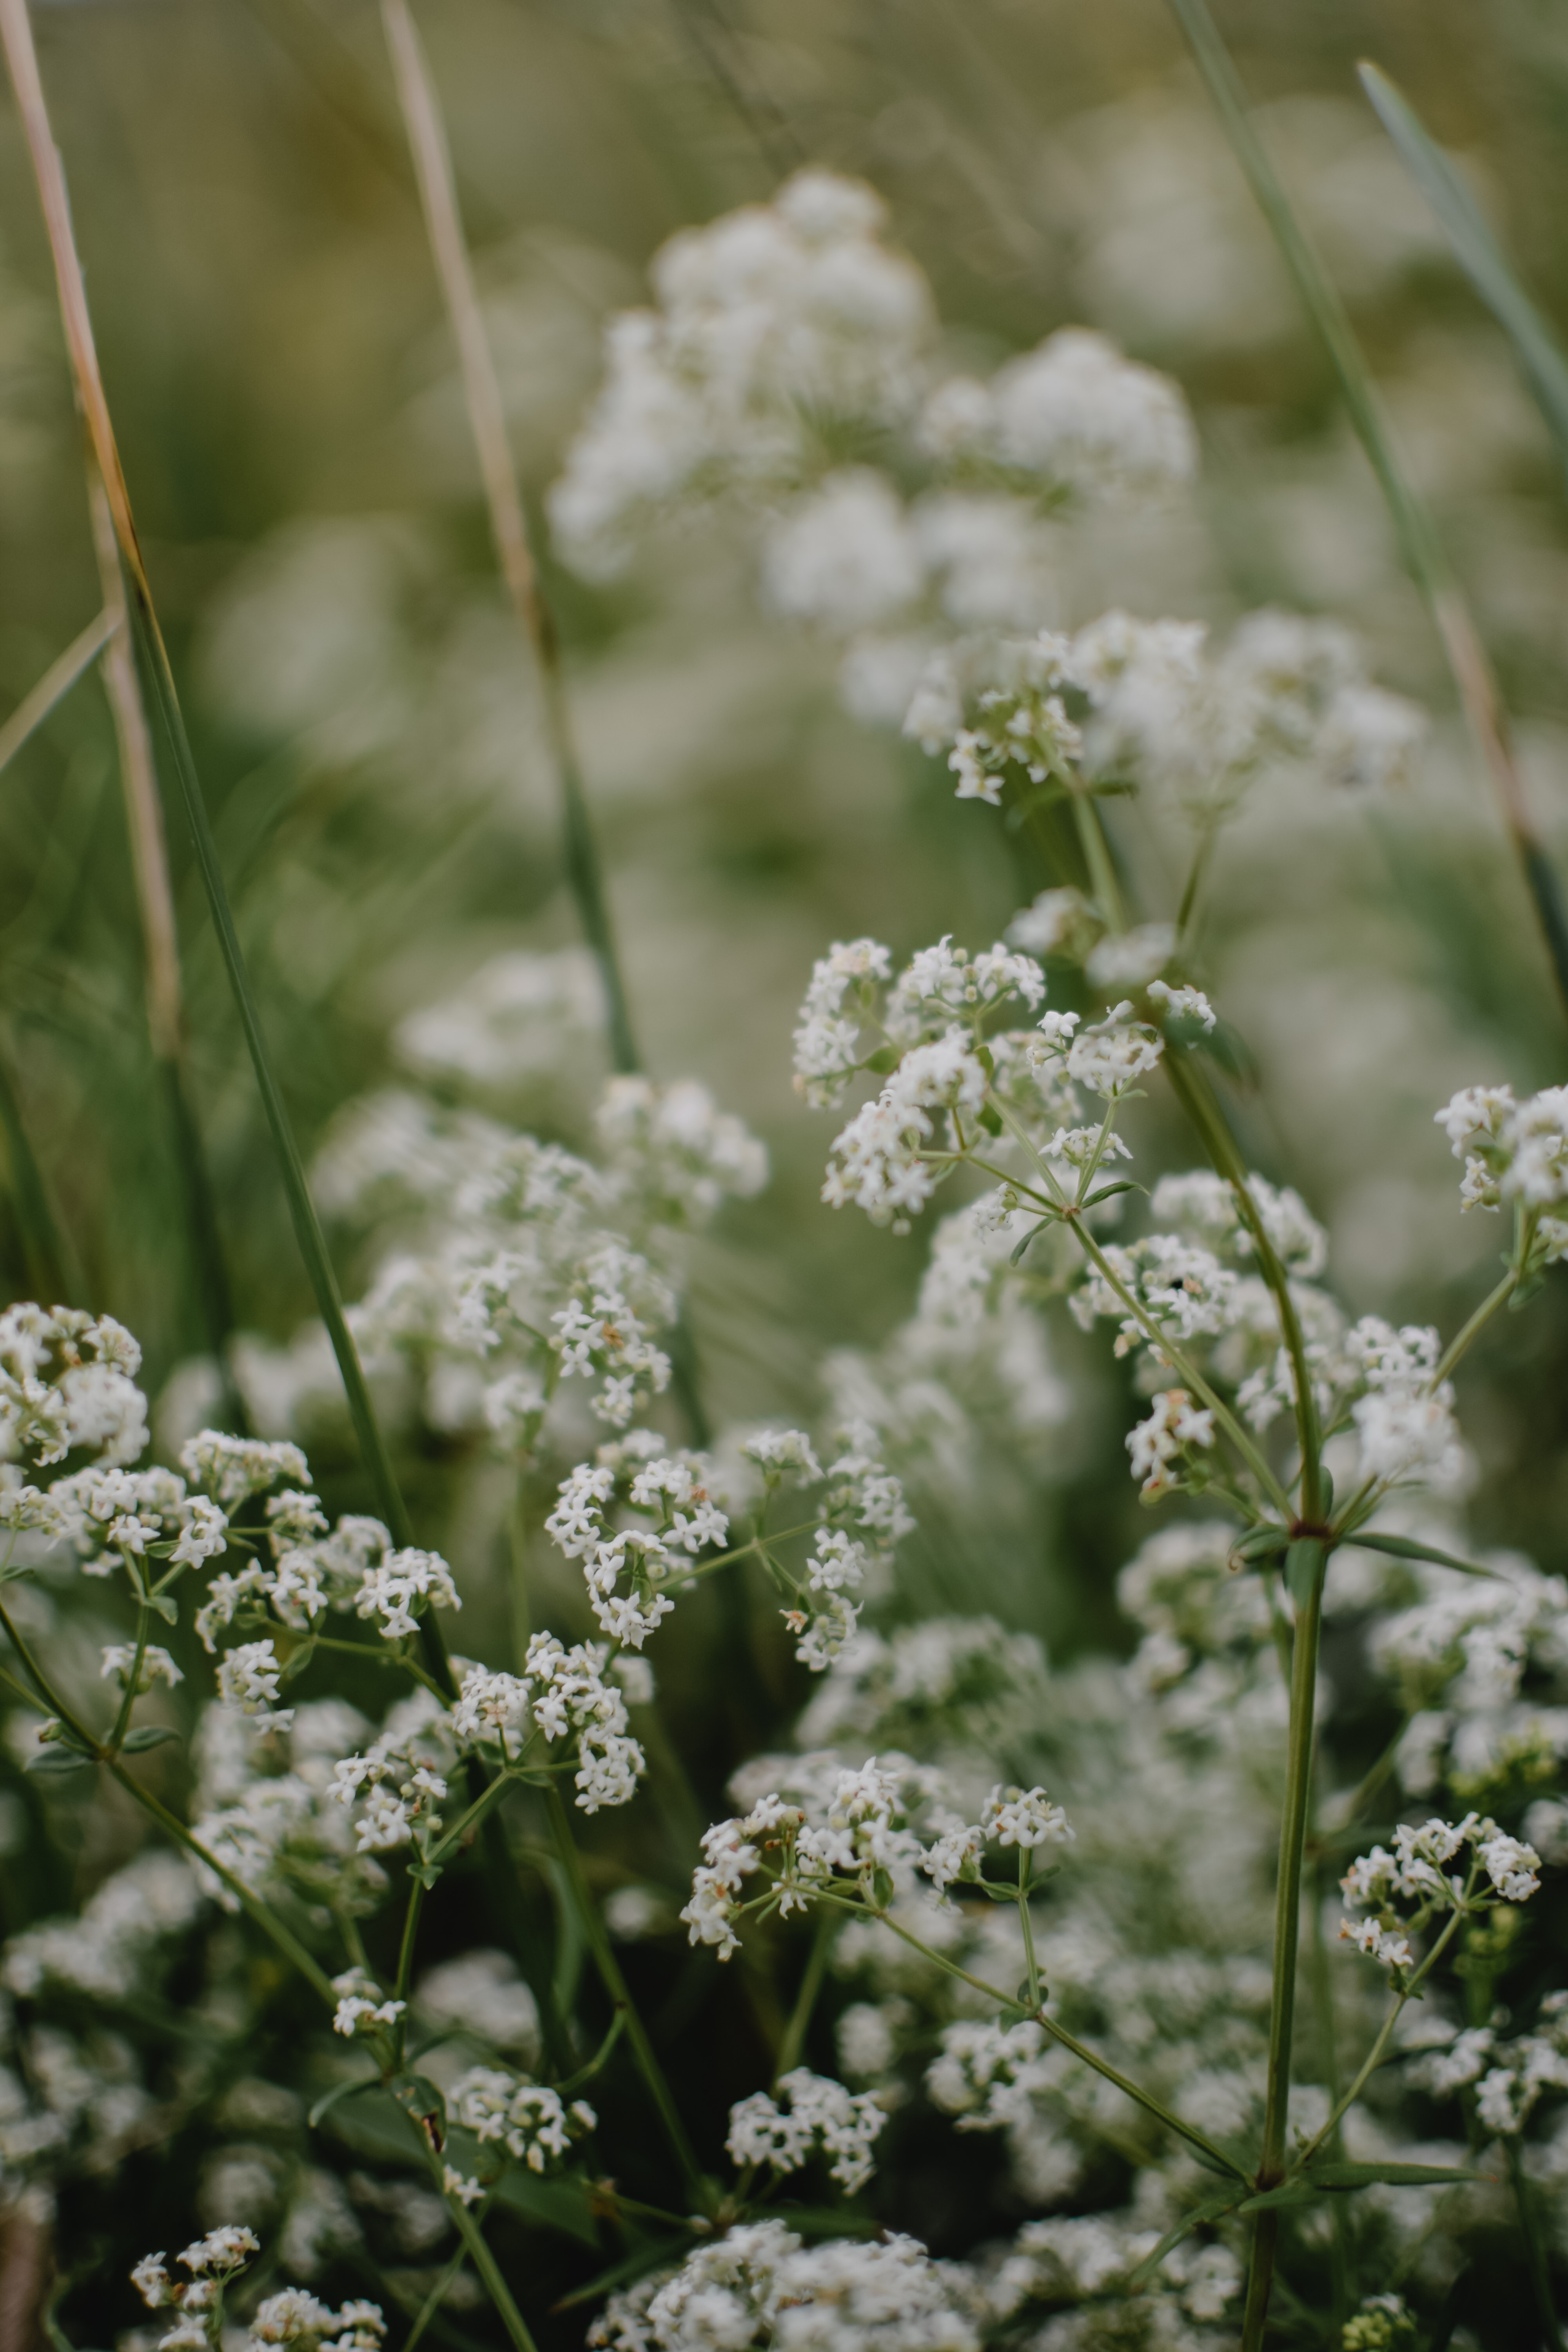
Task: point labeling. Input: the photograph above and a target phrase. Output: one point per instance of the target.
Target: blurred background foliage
(288, 407)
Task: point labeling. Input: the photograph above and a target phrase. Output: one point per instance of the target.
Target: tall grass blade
(16, 36)
(1414, 526)
(54, 686)
(509, 520)
(1476, 251)
(52, 1271)
(160, 950)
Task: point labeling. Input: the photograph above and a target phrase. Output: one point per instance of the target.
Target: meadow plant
(1085, 1913)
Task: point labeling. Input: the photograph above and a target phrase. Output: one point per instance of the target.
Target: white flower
(157, 1665)
(1174, 1423)
(361, 2007)
(820, 2114)
(527, 2118)
(1183, 1004)
(248, 1678)
(1025, 1818)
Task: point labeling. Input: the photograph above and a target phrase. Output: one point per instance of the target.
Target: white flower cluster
(361, 2005)
(948, 1068)
(1513, 1151)
(561, 1693)
(673, 1152)
(1180, 1588)
(1087, 2258)
(878, 1831)
(1511, 2076)
(1460, 1656)
(105, 1948)
(1398, 1892)
(277, 1828)
(520, 1278)
(774, 316)
(66, 1385)
(395, 1785)
(527, 2119)
(672, 1491)
(292, 2321)
(758, 2286)
(819, 2117)
(947, 1676)
(353, 1567)
(1154, 707)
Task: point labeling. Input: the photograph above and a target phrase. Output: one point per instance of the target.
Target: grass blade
(1476, 251)
(52, 1271)
(1414, 526)
(55, 685)
(509, 520)
(16, 34)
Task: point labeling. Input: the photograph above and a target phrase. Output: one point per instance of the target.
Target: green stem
(265, 1917)
(410, 1933)
(1307, 1561)
(597, 2063)
(1459, 1345)
(615, 1985)
(794, 2040)
(1135, 2091)
(1373, 2058)
(1097, 857)
(1413, 522)
(122, 1716)
(1197, 1098)
(490, 2271)
(1174, 1355)
(1534, 2245)
(50, 1267)
(434, 2300)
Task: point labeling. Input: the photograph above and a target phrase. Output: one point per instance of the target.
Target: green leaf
(57, 1758)
(1478, 253)
(1392, 2176)
(990, 1118)
(1210, 2209)
(339, 2090)
(148, 1734)
(1125, 1184)
(1017, 1256)
(1111, 785)
(419, 2098)
(166, 1606)
(1290, 2192)
(1405, 1547)
(426, 1873)
(296, 1662)
(1260, 1543)
(884, 1059)
(651, 2256)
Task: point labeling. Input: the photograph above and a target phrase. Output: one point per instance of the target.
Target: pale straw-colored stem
(55, 685)
(509, 519)
(143, 808)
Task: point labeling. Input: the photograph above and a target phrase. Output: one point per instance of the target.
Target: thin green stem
(1306, 1562)
(1174, 1355)
(51, 1266)
(1470, 1331)
(55, 685)
(1097, 857)
(1135, 2091)
(1207, 836)
(1373, 2058)
(468, 1820)
(509, 519)
(517, 1548)
(597, 2063)
(614, 1984)
(795, 2034)
(1197, 1098)
(1413, 522)
(410, 1936)
(265, 1917)
(436, 2297)
(490, 2271)
(1534, 2244)
(122, 1714)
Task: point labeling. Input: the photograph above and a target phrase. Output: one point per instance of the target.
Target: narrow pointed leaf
(1406, 1548)
(1018, 1254)
(146, 1736)
(57, 1760)
(1124, 1184)
(1392, 2176)
(328, 2099)
(1211, 2209)
(1478, 253)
